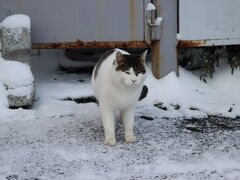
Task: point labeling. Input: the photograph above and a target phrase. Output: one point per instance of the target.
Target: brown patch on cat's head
(135, 61)
(121, 62)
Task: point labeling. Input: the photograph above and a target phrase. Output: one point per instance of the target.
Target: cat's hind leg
(108, 119)
(128, 121)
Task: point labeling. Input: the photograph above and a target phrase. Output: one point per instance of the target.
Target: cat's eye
(142, 72)
(127, 72)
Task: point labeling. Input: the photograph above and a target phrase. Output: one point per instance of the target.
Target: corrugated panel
(93, 20)
(210, 19)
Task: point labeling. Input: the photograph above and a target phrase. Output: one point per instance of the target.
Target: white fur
(116, 90)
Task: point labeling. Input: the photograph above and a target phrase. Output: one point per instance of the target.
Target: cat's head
(131, 68)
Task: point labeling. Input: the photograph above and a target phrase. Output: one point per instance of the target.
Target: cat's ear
(119, 57)
(142, 57)
(120, 62)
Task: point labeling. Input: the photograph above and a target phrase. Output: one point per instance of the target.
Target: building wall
(86, 20)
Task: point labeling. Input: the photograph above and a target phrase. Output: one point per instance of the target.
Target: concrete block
(16, 38)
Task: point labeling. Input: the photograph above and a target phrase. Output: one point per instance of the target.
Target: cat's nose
(134, 81)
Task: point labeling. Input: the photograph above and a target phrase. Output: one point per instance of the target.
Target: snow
(17, 77)
(150, 7)
(179, 36)
(14, 73)
(212, 98)
(16, 21)
(14, 27)
(3, 97)
(158, 21)
(59, 139)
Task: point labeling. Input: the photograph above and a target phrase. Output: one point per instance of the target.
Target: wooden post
(156, 59)
(164, 51)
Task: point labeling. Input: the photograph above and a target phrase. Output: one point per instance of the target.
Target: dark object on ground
(147, 118)
(83, 100)
(212, 123)
(176, 106)
(160, 106)
(143, 93)
(12, 177)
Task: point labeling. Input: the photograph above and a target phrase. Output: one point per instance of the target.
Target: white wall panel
(209, 20)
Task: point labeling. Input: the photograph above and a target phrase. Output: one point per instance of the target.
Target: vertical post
(156, 59)
(164, 51)
(147, 28)
(16, 38)
(16, 45)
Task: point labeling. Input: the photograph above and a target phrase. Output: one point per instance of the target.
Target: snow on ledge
(17, 21)
(158, 21)
(150, 7)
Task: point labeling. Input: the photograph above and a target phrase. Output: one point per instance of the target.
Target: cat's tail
(143, 93)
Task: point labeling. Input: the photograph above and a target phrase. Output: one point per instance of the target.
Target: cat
(117, 81)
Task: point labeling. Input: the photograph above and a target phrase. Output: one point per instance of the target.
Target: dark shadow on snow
(212, 123)
(82, 100)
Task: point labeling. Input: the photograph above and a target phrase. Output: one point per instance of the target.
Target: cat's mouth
(136, 83)
(130, 83)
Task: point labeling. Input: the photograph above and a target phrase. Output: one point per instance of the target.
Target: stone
(16, 43)
(22, 101)
(16, 38)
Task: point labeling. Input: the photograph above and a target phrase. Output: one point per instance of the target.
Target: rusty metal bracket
(92, 44)
(191, 43)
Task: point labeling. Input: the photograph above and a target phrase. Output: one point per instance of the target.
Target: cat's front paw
(130, 139)
(110, 142)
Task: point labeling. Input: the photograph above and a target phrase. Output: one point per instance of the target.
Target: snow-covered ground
(59, 139)
(16, 79)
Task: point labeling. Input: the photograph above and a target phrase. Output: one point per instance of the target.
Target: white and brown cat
(117, 81)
